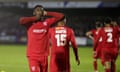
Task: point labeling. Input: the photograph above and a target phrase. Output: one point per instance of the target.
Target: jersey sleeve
(118, 28)
(92, 32)
(55, 17)
(27, 20)
(74, 45)
(97, 40)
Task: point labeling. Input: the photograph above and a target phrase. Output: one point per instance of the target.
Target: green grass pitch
(13, 59)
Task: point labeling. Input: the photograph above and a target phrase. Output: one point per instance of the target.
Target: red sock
(95, 65)
(113, 67)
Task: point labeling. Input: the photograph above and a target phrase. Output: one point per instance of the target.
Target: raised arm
(27, 20)
(55, 17)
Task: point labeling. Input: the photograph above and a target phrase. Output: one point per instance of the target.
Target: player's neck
(107, 27)
(60, 25)
(98, 28)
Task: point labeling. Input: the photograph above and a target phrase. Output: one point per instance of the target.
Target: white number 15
(61, 39)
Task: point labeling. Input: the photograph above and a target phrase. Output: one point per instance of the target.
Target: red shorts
(98, 53)
(38, 64)
(109, 54)
(117, 52)
(59, 64)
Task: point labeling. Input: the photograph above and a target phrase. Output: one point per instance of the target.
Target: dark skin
(39, 12)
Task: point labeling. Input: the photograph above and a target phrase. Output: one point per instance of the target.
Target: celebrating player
(61, 36)
(109, 35)
(96, 50)
(38, 39)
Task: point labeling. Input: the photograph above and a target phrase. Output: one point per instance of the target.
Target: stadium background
(81, 15)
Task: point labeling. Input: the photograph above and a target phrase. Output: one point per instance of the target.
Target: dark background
(79, 19)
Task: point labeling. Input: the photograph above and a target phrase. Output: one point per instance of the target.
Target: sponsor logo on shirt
(61, 31)
(45, 23)
(33, 68)
(39, 30)
(108, 30)
(96, 33)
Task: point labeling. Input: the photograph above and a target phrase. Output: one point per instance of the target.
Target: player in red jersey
(109, 35)
(115, 25)
(38, 38)
(96, 50)
(61, 36)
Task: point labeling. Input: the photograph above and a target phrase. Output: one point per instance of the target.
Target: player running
(109, 35)
(61, 36)
(38, 38)
(96, 50)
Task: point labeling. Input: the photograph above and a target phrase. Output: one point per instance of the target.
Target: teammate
(96, 50)
(38, 38)
(61, 36)
(109, 35)
(115, 25)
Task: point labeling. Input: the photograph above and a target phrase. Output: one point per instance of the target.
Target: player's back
(109, 36)
(60, 37)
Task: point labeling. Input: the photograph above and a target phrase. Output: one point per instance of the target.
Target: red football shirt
(37, 32)
(95, 34)
(117, 39)
(109, 36)
(61, 38)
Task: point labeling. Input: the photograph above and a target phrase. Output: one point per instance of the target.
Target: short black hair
(107, 20)
(38, 6)
(99, 24)
(98, 19)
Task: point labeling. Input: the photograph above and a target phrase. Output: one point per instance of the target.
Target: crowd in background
(9, 23)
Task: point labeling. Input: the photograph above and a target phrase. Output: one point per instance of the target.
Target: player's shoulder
(116, 27)
(101, 30)
(70, 30)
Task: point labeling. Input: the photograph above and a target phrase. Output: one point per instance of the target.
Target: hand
(78, 61)
(45, 13)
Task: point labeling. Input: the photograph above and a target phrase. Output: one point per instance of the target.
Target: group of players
(106, 43)
(40, 35)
